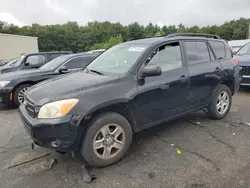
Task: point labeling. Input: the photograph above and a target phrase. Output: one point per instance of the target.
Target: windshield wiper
(95, 71)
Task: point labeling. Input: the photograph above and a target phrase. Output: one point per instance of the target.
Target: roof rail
(194, 35)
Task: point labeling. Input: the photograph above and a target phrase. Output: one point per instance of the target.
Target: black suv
(13, 85)
(31, 61)
(130, 87)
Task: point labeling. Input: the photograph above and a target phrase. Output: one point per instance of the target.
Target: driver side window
(167, 56)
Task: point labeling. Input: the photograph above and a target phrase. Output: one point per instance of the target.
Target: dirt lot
(181, 153)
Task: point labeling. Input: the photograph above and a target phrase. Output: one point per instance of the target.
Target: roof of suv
(191, 36)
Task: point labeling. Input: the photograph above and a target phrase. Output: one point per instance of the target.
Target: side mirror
(63, 69)
(26, 63)
(151, 70)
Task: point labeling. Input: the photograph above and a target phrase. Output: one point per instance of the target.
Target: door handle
(183, 79)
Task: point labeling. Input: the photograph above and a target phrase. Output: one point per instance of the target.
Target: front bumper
(5, 97)
(60, 134)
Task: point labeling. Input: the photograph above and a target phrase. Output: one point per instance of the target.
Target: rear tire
(18, 94)
(107, 139)
(221, 102)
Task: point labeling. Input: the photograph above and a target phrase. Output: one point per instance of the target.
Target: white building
(13, 46)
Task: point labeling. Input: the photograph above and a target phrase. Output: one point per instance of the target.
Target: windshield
(55, 63)
(118, 59)
(244, 50)
(18, 62)
(12, 62)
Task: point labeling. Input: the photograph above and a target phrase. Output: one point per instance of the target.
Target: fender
(107, 104)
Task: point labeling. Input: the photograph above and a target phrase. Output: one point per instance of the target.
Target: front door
(204, 72)
(34, 61)
(162, 97)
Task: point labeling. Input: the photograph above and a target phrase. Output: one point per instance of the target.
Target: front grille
(30, 108)
(245, 70)
(245, 80)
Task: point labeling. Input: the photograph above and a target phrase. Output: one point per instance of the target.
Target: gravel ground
(181, 154)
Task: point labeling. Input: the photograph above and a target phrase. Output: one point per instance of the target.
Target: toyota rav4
(130, 87)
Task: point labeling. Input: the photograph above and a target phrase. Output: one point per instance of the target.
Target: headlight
(3, 84)
(57, 109)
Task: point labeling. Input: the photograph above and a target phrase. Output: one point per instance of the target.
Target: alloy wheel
(109, 141)
(222, 102)
(20, 95)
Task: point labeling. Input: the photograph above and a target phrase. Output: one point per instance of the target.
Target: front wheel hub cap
(109, 141)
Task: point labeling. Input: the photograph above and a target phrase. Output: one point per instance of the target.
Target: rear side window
(53, 56)
(197, 52)
(219, 49)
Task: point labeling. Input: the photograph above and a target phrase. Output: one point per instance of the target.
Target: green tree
(136, 31)
(111, 42)
(95, 35)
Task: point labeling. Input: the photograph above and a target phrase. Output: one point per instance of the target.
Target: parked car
(7, 61)
(130, 87)
(31, 61)
(243, 55)
(13, 85)
(235, 45)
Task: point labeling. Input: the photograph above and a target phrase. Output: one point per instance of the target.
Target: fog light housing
(55, 143)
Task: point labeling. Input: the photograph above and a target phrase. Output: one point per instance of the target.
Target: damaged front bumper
(60, 134)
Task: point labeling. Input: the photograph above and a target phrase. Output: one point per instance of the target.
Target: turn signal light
(235, 60)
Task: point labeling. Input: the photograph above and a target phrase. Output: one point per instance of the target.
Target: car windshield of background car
(18, 62)
(55, 63)
(118, 59)
(244, 50)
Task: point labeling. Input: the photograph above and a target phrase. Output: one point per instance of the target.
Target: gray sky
(162, 12)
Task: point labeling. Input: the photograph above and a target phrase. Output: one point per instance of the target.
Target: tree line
(97, 35)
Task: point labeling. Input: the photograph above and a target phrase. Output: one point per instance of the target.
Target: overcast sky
(161, 12)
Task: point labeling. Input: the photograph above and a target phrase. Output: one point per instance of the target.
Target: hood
(3, 63)
(244, 59)
(67, 86)
(7, 68)
(20, 74)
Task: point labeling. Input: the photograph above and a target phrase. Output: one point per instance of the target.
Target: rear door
(205, 71)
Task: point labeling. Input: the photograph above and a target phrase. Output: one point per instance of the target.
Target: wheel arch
(22, 83)
(229, 83)
(121, 107)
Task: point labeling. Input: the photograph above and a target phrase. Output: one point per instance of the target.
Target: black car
(31, 61)
(130, 87)
(13, 85)
(243, 55)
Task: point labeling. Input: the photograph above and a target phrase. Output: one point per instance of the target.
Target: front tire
(107, 139)
(221, 102)
(18, 95)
